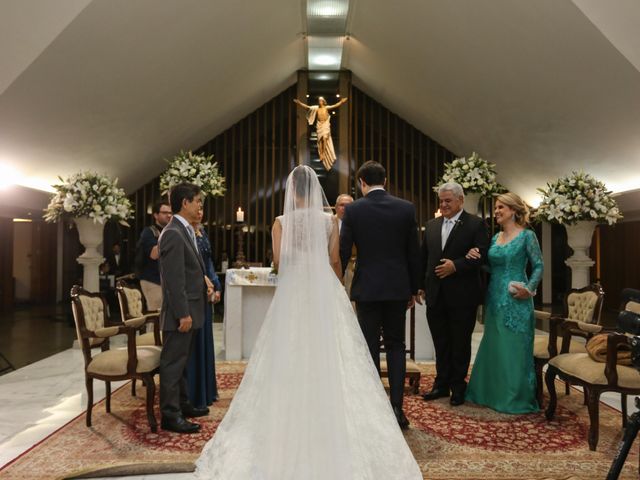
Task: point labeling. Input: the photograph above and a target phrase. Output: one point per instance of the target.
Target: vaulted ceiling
(539, 88)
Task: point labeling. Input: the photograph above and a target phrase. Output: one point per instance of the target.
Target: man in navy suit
(451, 285)
(385, 282)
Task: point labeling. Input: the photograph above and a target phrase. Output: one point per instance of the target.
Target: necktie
(447, 226)
(192, 234)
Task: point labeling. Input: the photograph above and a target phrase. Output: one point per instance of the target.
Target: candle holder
(241, 261)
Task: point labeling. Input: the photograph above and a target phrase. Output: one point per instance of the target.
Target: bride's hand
(473, 254)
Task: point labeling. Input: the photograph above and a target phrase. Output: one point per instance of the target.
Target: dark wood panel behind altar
(619, 260)
(257, 153)
(414, 162)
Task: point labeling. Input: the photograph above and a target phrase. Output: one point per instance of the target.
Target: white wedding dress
(311, 405)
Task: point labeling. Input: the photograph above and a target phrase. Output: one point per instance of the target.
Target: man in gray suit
(183, 299)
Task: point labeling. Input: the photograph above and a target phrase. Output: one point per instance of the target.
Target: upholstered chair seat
(114, 362)
(582, 366)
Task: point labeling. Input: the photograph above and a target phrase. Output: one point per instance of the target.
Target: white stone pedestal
(579, 239)
(90, 234)
(471, 202)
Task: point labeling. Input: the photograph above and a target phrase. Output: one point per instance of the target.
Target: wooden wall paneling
(43, 262)
(619, 249)
(227, 220)
(344, 114)
(6, 264)
(260, 190)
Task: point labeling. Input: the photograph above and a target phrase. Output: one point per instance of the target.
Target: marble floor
(41, 397)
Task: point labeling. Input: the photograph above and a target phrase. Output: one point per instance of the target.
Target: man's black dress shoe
(402, 420)
(435, 393)
(191, 411)
(179, 425)
(457, 399)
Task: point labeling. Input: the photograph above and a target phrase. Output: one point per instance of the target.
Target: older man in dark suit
(383, 229)
(453, 290)
(183, 297)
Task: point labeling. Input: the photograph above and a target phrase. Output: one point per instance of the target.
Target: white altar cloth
(248, 294)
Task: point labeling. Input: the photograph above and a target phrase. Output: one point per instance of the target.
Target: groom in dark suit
(451, 285)
(385, 282)
(183, 299)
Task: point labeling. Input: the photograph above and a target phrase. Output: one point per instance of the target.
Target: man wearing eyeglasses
(147, 268)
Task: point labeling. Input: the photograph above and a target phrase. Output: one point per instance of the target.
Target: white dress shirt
(447, 226)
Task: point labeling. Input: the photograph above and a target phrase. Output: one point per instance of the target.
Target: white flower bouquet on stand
(579, 202)
(90, 199)
(89, 194)
(575, 197)
(193, 168)
(476, 176)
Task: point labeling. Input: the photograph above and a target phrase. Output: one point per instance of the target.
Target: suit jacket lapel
(187, 238)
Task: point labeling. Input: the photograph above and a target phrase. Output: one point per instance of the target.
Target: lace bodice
(327, 219)
(508, 262)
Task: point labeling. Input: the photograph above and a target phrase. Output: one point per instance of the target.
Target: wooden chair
(583, 305)
(594, 377)
(133, 305)
(132, 362)
(413, 372)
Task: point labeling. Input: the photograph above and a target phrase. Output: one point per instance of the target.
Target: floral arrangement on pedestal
(474, 174)
(577, 197)
(193, 168)
(89, 194)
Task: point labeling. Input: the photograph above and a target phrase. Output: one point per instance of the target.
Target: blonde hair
(515, 203)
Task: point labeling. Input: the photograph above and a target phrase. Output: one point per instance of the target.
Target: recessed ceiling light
(324, 60)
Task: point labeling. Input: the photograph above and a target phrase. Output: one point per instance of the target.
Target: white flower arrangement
(193, 168)
(89, 194)
(575, 197)
(474, 174)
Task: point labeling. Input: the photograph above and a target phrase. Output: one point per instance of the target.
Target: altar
(248, 294)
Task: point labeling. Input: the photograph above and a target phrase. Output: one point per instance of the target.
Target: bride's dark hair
(300, 180)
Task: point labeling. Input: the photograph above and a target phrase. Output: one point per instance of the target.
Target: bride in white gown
(311, 405)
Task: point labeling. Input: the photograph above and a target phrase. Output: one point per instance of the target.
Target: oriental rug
(449, 443)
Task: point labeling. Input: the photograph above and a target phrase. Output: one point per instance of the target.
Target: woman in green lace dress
(503, 376)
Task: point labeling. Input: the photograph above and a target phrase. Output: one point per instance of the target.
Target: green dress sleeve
(535, 259)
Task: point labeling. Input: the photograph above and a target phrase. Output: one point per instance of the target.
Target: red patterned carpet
(466, 442)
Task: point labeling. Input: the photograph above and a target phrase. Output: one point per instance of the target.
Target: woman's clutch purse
(512, 287)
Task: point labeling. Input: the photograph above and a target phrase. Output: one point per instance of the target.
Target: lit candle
(438, 214)
(239, 215)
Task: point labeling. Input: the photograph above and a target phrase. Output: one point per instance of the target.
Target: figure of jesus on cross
(320, 113)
